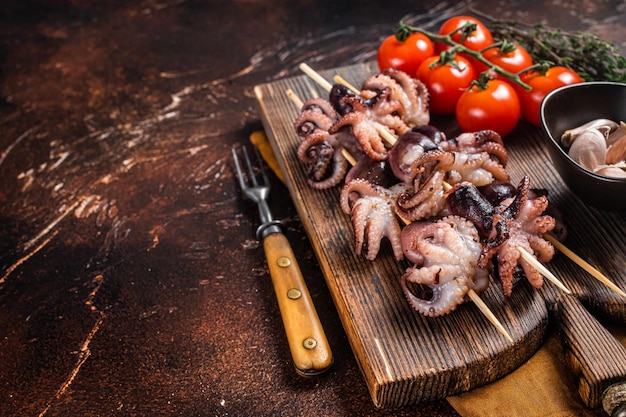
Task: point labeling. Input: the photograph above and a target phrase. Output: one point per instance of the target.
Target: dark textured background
(131, 282)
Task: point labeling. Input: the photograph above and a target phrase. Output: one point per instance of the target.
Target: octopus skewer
(391, 140)
(391, 102)
(471, 293)
(533, 261)
(373, 248)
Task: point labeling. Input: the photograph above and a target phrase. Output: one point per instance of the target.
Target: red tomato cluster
(449, 79)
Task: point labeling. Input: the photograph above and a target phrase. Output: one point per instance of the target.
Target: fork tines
(253, 171)
(254, 181)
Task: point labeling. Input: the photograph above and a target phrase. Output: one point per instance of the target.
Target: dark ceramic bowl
(571, 106)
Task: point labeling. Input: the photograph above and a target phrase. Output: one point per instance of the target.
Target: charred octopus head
(515, 223)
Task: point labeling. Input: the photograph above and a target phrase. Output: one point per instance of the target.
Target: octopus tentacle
(335, 167)
(440, 159)
(542, 247)
(445, 255)
(496, 169)
(444, 297)
(475, 142)
(316, 114)
(380, 102)
(353, 190)
(320, 105)
(492, 143)
(410, 147)
(513, 208)
(498, 236)
(320, 149)
(410, 92)
(516, 222)
(366, 132)
(373, 217)
(468, 167)
(314, 138)
(426, 202)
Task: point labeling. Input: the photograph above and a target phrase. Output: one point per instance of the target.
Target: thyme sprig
(593, 58)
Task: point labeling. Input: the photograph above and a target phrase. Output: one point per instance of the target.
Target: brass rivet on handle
(294, 294)
(283, 262)
(309, 343)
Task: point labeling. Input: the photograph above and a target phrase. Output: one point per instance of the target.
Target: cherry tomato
(541, 85)
(514, 59)
(497, 107)
(445, 81)
(478, 40)
(405, 56)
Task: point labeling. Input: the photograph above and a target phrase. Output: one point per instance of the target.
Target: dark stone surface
(131, 282)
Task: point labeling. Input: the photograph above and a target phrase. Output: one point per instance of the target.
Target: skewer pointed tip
(294, 98)
(584, 265)
(488, 314)
(316, 76)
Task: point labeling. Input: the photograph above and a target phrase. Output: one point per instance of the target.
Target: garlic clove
(570, 135)
(617, 152)
(589, 149)
(611, 171)
(618, 133)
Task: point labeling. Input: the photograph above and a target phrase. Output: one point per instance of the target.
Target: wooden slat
(405, 357)
(597, 359)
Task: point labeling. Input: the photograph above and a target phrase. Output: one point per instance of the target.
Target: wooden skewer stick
(583, 264)
(346, 154)
(315, 76)
(484, 308)
(474, 297)
(340, 80)
(294, 98)
(542, 269)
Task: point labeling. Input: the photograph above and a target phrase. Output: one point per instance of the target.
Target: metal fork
(308, 344)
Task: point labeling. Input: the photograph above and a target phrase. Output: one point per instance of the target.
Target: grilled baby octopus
(373, 216)
(425, 159)
(319, 149)
(445, 254)
(487, 156)
(515, 223)
(390, 101)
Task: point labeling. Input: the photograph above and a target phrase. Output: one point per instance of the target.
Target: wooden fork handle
(307, 341)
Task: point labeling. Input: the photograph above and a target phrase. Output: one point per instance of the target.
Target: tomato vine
(404, 30)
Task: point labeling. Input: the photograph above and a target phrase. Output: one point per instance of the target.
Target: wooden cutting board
(406, 357)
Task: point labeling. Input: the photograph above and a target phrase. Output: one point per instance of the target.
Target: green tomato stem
(405, 30)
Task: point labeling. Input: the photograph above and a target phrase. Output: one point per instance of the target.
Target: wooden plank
(597, 359)
(405, 357)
